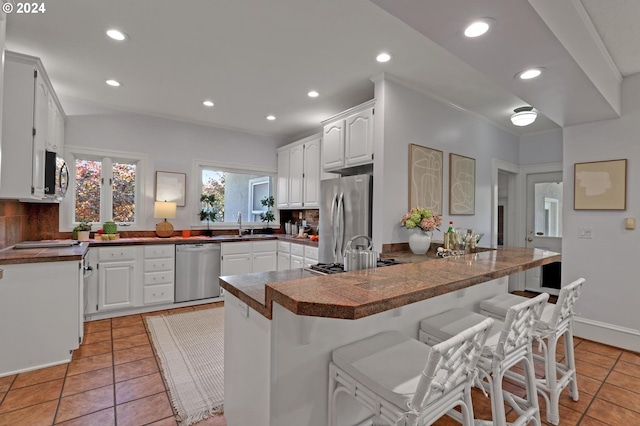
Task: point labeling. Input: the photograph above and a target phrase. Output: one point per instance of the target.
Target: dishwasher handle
(198, 247)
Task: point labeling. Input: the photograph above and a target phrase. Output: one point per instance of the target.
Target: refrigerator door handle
(334, 226)
(340, 223)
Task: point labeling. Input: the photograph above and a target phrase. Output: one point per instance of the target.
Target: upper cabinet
(299, 174)
(32, 123)
(347, 138)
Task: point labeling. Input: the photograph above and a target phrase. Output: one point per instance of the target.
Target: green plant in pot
(208, 210)
(81, 231)
(267, 216)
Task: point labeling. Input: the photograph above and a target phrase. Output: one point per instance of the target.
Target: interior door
(544, 221)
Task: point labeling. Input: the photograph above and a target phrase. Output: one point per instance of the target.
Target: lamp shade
(164, 210)
(524, 116)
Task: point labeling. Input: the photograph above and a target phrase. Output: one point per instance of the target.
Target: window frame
(107, 157)
(196, 187)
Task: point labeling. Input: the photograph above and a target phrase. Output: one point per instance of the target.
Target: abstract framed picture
(425, 178)
(462, 185)
(600, 185)
(171, 187)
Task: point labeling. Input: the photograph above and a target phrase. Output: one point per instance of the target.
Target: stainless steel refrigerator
(345, 211)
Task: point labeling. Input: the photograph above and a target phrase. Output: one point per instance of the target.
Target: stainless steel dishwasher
(197, 271)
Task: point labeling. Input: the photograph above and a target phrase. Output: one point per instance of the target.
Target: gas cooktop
(336, 268)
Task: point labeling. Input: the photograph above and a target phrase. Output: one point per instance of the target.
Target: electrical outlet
(584, 233)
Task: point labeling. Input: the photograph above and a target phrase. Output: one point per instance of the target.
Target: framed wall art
(425, 178)
(462, 185)
(171, 187)
(600, 185)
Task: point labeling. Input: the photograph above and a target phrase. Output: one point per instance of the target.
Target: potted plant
(267, 216)
(208, 210)
(81, 231)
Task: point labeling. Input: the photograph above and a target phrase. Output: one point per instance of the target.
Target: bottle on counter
(449, 237)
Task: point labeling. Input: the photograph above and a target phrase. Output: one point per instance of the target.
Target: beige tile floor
(115, 379)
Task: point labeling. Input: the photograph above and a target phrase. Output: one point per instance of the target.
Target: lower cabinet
(247, 257)
(292, 255)
(115, 285)
(159, 274)
(265, 256)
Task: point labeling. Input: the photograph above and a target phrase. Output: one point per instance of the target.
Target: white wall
(170, 146)
(413, 117)
(609, 261)
(541, 148)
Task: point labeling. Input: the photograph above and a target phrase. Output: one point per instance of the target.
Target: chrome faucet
(240, 224)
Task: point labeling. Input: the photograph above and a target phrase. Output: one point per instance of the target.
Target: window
(106, 187)
(237, 190)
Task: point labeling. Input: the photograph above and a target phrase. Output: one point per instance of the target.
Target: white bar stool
(556, 321)
(404, 382)
(508, 343)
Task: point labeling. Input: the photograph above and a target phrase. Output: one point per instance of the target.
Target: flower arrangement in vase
(81, 231)
(425, 221)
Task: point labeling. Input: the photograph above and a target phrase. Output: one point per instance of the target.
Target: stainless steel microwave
(56, 176)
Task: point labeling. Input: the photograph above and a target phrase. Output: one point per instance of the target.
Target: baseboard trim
(609, 334)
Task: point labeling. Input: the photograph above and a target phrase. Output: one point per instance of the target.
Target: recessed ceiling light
(113, 83)
(116, 34)
(479, 27)
(271, 117)
(524, 116)
(530, 73)
(383, 57)
(313, 94)
(207, 103)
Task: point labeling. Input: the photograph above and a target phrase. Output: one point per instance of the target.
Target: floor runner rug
(191, 350)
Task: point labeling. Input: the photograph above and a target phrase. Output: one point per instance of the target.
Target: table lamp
(164, 210)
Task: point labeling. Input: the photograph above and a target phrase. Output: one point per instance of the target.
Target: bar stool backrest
(566, 303)
(519, 325)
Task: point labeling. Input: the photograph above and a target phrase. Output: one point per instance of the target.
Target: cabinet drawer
(297, 249)
(163, 277)
(158, 294)
(116, 253)
(311, 253)
(262, 246)
(165, 250)
(235, 248)
(151, 265)
(284, 247)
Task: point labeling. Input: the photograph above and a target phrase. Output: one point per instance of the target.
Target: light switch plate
(584, 233)
(630, 223)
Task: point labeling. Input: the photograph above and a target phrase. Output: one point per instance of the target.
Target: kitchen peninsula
(281, 327)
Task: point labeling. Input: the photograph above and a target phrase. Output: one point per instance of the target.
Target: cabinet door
(284, 261)
(359, 138)
(236, 264)
(333, 145)
(311, 189)
(265, 262)
(52, 126)
(296, 165)
(297, 262)
(115, 285)
(283, 179)
(41, 123)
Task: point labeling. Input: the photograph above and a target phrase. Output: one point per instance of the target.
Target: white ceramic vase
(419, 241)
(83, 235)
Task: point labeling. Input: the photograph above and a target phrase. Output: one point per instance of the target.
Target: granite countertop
(357, 294)
(10, 255)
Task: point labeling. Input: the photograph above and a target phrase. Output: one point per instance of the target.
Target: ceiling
(254, 57)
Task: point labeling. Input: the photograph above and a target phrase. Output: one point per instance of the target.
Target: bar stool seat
(555, 322)
(508, 343)
(405, 382)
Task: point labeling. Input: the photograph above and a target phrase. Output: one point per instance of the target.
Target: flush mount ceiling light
(523, 116)
(207, 103)
(113, 83)
(270, 117)
(313, 94)
(383, 57)
(530, 73)
(116, 34)
(479, 27)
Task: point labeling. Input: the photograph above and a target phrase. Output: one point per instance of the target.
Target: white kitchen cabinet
(117, 277)
(299, 174)
(39, 315)
(265, 256)
(235, 258)
(303, 256)
(159, 274)
(284, 256)
(27, 128)
(310, 256)
(297, 261)
(282, 196)
(348, 138)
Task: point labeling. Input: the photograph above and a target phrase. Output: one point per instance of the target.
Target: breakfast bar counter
(281, 327)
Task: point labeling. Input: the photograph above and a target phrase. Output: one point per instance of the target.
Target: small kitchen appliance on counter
(359, 257)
